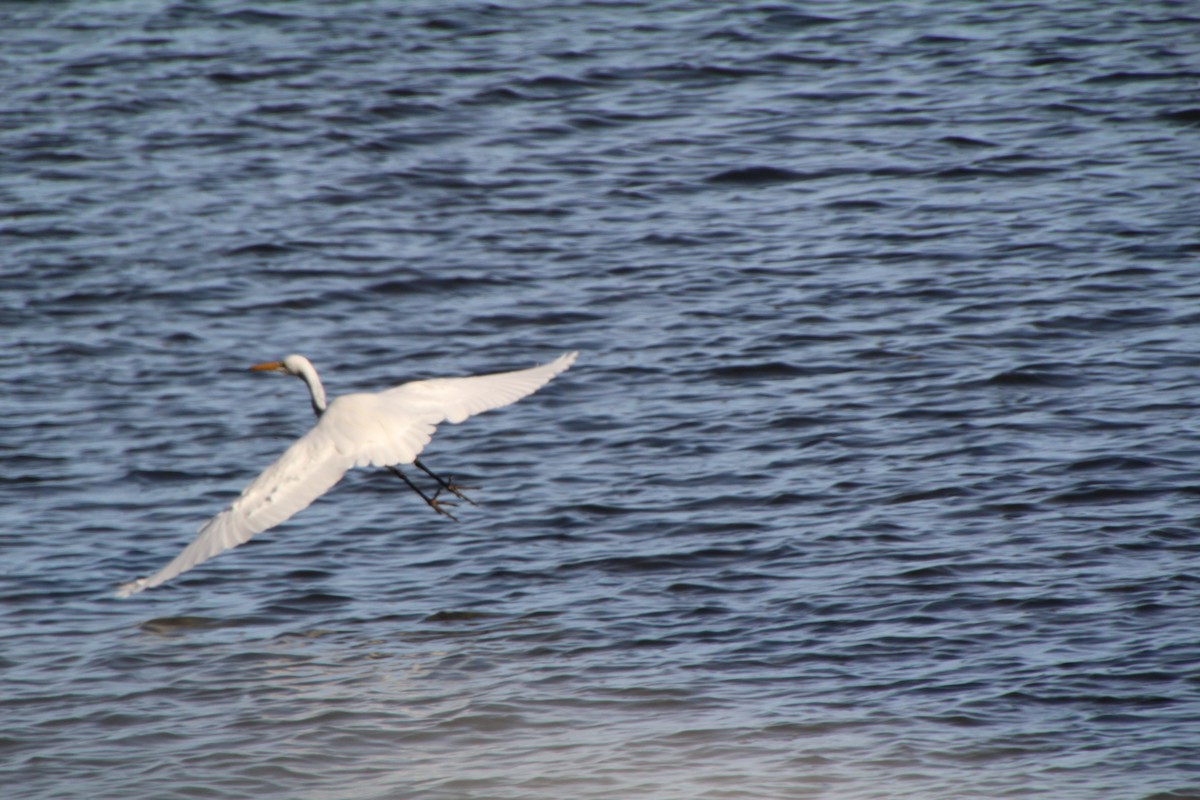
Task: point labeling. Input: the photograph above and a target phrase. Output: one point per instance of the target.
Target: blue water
(876, 477)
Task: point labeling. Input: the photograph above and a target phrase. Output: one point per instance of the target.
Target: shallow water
(875, 478)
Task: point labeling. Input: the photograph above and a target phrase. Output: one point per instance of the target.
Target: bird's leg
(437, 505)
(446, 483)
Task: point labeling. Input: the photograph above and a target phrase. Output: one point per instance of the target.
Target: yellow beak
(271, 366)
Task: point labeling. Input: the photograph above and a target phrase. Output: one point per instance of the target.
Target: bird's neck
(310, 378)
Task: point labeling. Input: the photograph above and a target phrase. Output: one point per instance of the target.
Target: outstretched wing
(304, 472)
(393, 426)
(459, 398)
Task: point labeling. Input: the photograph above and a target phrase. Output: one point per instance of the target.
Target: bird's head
(302, 368)
(292, 365)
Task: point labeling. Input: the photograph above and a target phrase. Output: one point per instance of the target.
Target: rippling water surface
(876, 477)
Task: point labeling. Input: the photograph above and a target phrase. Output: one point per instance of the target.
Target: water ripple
(874, 478)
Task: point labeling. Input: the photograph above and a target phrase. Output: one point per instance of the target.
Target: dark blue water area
(876, 476)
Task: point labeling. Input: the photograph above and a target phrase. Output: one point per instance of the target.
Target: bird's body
(384, 429)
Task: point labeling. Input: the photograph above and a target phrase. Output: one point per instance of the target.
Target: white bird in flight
(383, 429)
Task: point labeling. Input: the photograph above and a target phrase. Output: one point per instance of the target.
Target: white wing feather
(393, 426)
(304, 472)
(388, 428)
(455, 399)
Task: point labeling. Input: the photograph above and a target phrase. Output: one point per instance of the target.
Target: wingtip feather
(564, 361)
(128, 589)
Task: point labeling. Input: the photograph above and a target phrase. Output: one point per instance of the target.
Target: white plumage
(383, 429)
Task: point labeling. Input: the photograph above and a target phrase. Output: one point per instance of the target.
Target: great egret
(385, 429)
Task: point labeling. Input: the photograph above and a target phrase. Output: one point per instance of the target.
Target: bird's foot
(440, 505)
(457, 490)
